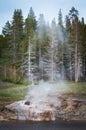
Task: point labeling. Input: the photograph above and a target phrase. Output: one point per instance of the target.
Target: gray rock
(14, 117)
(61, 113)
(1, 118)
(76, 114)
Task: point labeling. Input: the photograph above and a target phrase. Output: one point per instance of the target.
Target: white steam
(45, 92)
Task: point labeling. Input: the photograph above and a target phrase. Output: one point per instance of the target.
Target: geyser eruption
(42, 93)
(43, 100)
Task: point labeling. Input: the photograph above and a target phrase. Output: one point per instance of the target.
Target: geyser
(43, 100)
(40, 104)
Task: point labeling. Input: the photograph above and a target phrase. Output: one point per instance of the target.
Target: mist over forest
(31, 48)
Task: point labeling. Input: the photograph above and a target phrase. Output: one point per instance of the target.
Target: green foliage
(17, 25)
(21, 35)
(3, 45)
(12, 74)
(60, 22)
(13, 93)
(30, 24)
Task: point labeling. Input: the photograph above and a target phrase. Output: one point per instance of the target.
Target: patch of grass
(13, 93)
(78, 89)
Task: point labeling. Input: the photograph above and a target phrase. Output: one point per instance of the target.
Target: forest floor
(73, 98)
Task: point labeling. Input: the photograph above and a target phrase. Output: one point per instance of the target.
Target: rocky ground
(70, 109)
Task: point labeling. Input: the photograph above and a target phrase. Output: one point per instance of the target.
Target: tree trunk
(76, 64)
(52, 61)
(29, 60)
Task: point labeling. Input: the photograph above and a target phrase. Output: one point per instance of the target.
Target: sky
(49, 8)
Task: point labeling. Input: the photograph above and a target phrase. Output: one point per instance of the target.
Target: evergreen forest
(35, 49)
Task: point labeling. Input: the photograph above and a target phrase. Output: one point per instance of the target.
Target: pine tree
(30, 28)
(18, 25)
(54, 50)
(30, 23)
(41, 34)
(61, 43)
(7, 33)
(74, 19)
(69, 47)
(3, 46)
(83, 47)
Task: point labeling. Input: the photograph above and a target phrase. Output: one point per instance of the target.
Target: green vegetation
(79, 87)
(13, 92)
(47, 49)
(77, 90)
